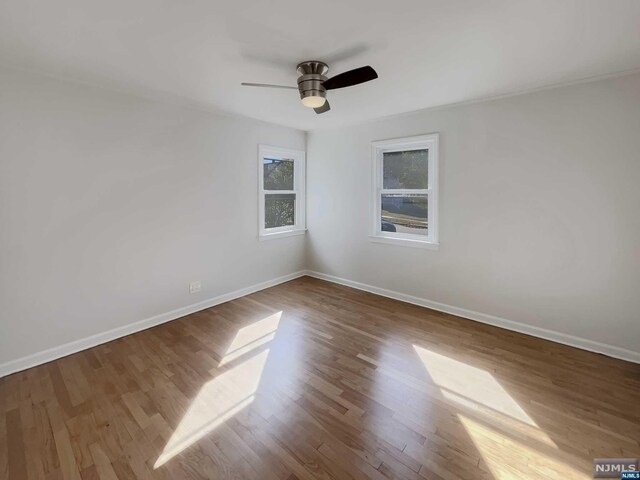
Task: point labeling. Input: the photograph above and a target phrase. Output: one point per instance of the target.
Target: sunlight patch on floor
(510, 443)
(227, 393)
(502, 422)
(251, 337)
(509, 459)
(471, 383)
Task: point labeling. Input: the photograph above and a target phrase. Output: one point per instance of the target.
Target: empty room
(284, 240)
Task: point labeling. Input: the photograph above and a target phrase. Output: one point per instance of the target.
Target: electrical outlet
(195, 287)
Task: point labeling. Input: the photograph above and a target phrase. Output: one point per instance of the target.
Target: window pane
(278, 173)
(404, 214)
(279, 210)
(405, 169)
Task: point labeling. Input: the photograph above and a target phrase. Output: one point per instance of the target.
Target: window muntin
(405, 190)
(281, 192)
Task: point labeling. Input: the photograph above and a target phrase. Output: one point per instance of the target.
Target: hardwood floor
(311, 380)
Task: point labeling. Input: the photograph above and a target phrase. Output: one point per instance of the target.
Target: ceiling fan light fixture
(313, 84)
(313, 101)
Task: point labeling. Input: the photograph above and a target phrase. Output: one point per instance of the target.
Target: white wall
(539, 210)
(111, 204)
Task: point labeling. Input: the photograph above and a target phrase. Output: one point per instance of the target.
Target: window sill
(288, 233)
(404, 242)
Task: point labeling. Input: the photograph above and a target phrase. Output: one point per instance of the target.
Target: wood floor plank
(17, 462)
(312, 380)
(102, 463)
(68, 462)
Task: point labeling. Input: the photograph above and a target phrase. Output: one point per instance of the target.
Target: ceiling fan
(313, 84)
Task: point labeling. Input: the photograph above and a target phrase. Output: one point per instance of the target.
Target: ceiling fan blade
(352, 77)
(324, 108)
(266, 85)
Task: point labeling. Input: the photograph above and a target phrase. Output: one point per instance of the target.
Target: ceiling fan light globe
(313, 101)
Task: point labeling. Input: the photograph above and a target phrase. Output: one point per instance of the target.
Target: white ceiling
(427, 52)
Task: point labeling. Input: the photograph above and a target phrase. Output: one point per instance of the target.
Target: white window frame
(421, 142)
(299, 158)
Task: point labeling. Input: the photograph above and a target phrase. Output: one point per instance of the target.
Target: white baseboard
(583, 343)
(45, 356)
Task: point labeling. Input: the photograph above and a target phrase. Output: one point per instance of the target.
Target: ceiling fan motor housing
(312, 75)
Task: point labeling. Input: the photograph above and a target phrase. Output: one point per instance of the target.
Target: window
(281, 192)
(405, 203)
